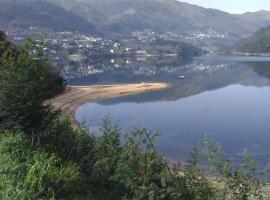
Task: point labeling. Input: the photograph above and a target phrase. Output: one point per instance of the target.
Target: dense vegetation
(43, 157)
(257, 43)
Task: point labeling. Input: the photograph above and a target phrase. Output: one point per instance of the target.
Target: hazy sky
(233, 6)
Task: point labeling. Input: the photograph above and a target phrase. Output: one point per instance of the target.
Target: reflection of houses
(116, 45)
(141, 52)
(208, 68)
(76, 57)
(52, 51)
(67, 46)
(92, 70)
(89, 45)
(146, 70)
(18, 39)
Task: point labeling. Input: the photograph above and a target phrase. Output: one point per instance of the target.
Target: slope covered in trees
(43, 157)
(257, 43)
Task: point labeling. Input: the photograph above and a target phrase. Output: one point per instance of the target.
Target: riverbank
(250, 54)
(74, 96)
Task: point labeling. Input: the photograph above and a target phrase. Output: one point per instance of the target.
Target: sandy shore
(74, 96)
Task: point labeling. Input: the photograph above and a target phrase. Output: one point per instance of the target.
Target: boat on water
(181, 77)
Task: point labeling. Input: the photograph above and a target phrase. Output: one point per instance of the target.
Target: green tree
(26, 81)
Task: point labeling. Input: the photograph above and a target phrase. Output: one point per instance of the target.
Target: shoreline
(75, 96)
(250, 54)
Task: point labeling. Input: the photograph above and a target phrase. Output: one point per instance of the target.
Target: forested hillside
(257, 43)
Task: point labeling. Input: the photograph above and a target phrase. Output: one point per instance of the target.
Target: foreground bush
(86, 167)
(130, 168)
(33, 174)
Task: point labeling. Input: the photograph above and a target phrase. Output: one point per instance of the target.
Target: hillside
(161, 16)
(261, 17)
(41, 14)
(257, 44)
(125, 16)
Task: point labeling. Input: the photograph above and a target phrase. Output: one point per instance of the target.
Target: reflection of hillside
(261, 68)
(200, 75)
(123, 70)
(230, 74)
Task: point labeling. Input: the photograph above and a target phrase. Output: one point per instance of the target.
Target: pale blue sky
(233, 6)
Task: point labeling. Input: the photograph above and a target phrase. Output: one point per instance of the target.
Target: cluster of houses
(150, 36)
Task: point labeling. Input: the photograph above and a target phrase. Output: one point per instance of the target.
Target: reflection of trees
(200, 81)
(200, 75)
(261, 68)
(124, 70)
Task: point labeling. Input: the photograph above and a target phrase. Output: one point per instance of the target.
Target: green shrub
(33, 174)
(26, 81)
(74, 145)
(107, 150)
(239, 181)
(194, 182)
(143, 172)
(130, 168)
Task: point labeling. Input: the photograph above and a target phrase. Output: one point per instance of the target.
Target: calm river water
(226, 98)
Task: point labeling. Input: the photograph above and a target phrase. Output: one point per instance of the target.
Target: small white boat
(181, 77)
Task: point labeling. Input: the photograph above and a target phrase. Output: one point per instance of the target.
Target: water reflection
(158, 69)
(125, 70)
(201, 74)
(227, 99)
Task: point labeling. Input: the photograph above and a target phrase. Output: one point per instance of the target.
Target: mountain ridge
(125, 16)
(42, 14)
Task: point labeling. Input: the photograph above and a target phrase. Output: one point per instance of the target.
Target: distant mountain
(262, 17)
(121, 16)
(41, 14)
(258, 43)
(124, 16)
